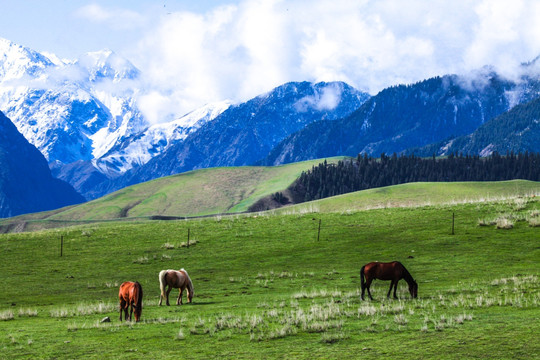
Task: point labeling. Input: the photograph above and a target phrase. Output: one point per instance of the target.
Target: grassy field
(269, 286)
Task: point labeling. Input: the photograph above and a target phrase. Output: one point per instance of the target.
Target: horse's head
(413, 289)
(190, 292)
(137, 310)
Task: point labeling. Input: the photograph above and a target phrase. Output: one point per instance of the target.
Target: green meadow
(193, 193)
(271, 285)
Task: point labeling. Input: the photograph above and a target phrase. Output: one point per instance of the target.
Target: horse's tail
(362, 280)
(162, 283)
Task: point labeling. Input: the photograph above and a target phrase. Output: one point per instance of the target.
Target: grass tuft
(6, 315)
(504, 223)
(330, 338)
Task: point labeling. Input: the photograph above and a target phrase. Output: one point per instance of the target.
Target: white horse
(178, 279)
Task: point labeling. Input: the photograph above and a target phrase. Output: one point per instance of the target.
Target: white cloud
(242, 50)
(114, 17)
(506, 34)
(325, 99)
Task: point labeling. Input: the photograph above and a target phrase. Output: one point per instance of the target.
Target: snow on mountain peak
(17, 61)
(139, 149)
(60, 108)
(106, 64)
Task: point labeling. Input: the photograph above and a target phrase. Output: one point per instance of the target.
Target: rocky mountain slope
(26, 183)
(407, 116)
(517, 130)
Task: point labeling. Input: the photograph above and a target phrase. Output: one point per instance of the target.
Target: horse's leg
(368, 284)
(126, 311)
(121, 308)
(167, 293)
(131, 312)
(390, 290)
(395, 288)
(363, 290)
(179, 300)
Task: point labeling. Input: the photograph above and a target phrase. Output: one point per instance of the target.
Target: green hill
(419, 194)
(220, 191)
(194, 193)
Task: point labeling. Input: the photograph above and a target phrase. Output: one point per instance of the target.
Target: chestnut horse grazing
(130, 294)
(175, 279)
(393, 271)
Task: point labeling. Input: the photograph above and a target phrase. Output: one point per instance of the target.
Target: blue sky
(195, 52)
(61, 28)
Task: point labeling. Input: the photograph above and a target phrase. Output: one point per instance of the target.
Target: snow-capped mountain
(107, 65)
(138, 149)
(17, 61)
(246, 132)
(68, 109)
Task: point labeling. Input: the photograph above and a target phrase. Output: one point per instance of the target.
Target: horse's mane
(407, 275)
(190, 283)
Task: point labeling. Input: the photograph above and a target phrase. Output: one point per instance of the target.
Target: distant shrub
(520, 203)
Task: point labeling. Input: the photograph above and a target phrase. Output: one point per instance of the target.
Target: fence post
(319, 232)
(453, 221)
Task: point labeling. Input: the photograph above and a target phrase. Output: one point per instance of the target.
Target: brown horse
(130, 294)
(175, 279)
(393, 271)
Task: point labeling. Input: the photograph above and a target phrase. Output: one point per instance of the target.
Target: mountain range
(245, 133)
(409, 116)
(82, 115)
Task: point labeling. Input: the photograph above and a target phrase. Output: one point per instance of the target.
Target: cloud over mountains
(194, 53)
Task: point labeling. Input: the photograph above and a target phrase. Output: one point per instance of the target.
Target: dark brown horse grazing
(393, 271)
(130, 294)
(175, 279)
